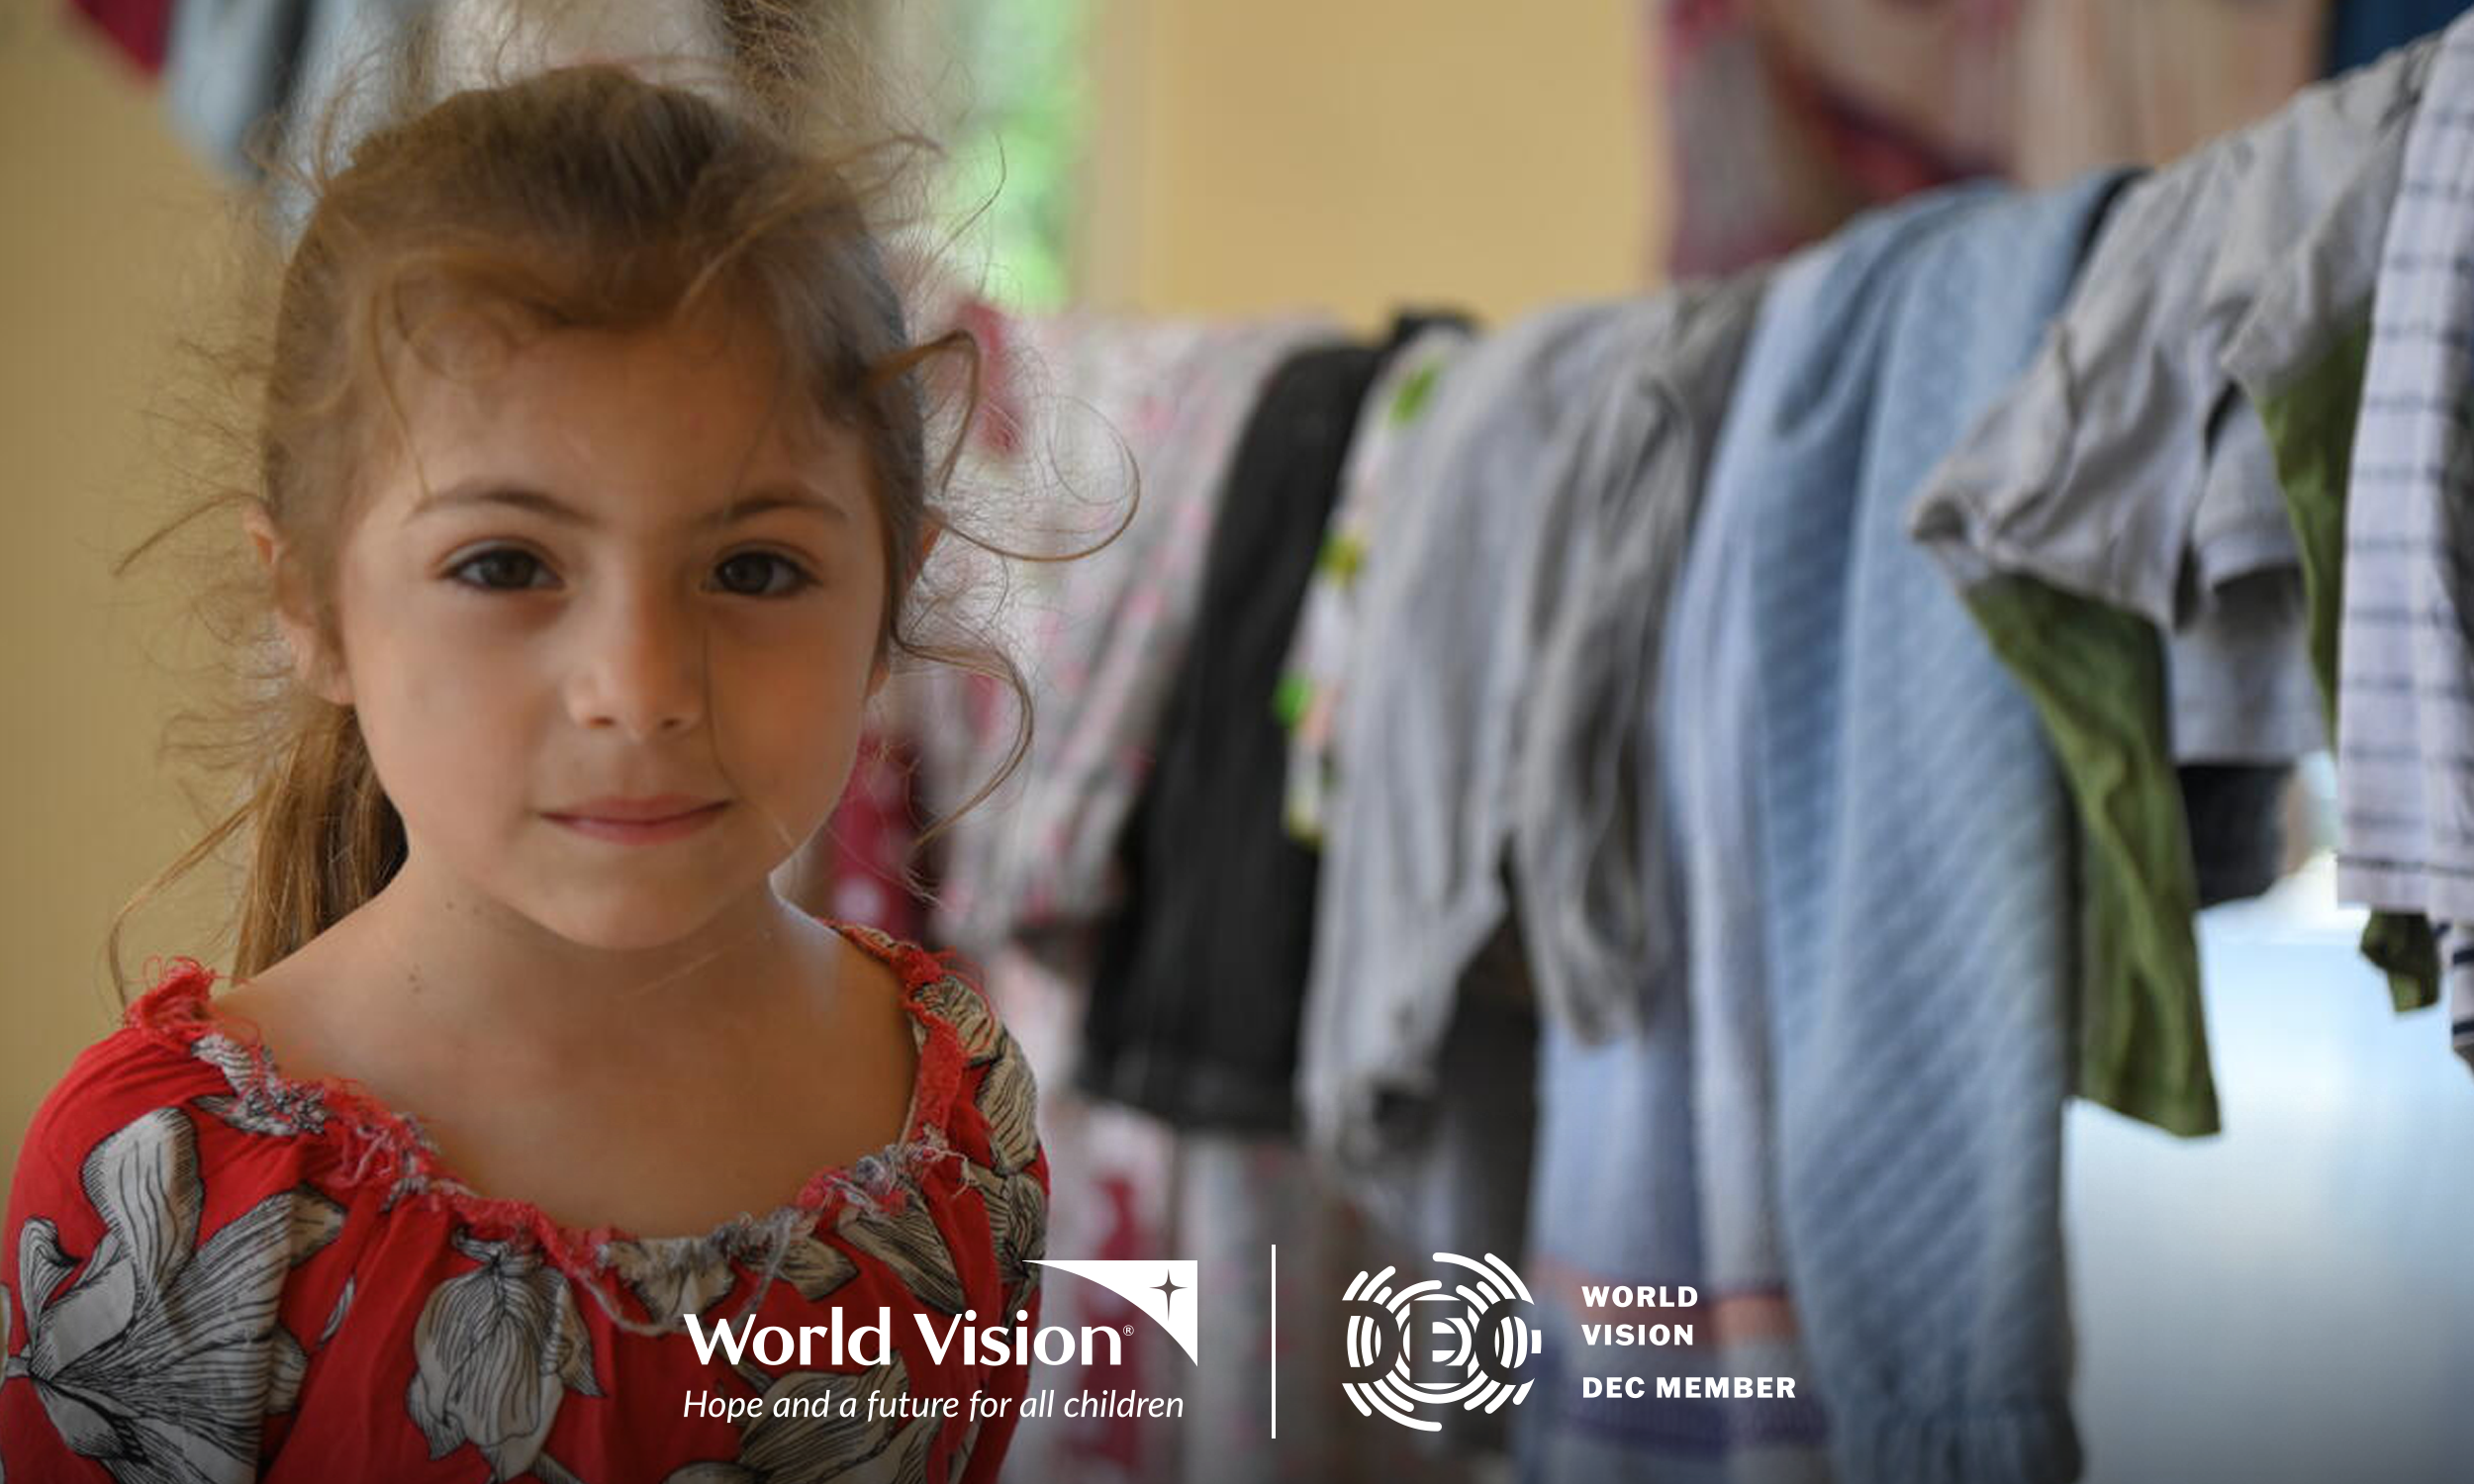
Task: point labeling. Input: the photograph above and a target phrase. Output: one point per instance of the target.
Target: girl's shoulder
(162, 1122)
(168, 1054)
(151, 1246)
(974, 1091)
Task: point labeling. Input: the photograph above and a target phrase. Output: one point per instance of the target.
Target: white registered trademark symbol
(1130, 1329)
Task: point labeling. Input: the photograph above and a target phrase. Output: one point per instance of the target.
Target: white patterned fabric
(1139, 415)
(1315, 674)
(1412, 887)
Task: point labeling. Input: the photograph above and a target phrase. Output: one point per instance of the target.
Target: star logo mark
(1131, 1279)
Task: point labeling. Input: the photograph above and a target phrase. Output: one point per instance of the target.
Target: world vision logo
(1161, 1288)
(1474, 1332)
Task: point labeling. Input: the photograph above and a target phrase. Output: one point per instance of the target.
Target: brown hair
(582, 196)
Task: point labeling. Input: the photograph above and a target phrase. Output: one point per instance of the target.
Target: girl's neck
(470, 961)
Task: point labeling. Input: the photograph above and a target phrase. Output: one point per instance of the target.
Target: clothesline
(2003, 531)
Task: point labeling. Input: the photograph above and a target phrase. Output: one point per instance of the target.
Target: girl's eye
(760, 574)
(501, 569)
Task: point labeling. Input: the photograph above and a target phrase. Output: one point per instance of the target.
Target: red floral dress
(212, 1272)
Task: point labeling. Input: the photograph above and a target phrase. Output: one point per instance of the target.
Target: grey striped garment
(1589, 834)
(2405, 704)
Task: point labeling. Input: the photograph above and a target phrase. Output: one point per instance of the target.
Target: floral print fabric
(1138, 421)
(214, 1273)
(1316, 670)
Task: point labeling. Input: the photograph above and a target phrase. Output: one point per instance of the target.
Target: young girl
(592, 485)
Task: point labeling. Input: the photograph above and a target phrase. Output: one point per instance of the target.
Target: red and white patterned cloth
(213, 1271)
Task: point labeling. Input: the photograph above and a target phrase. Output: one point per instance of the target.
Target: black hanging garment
(1195, 1005)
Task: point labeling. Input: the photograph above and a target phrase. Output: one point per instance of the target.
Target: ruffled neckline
(382, 1147)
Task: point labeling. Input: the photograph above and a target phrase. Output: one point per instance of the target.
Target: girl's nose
(642, 668)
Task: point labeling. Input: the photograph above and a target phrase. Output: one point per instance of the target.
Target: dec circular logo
(1476, 1338)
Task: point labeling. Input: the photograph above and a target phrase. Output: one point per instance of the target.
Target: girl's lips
(643, 831)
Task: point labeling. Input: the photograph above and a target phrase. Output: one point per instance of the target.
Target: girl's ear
(314, 662)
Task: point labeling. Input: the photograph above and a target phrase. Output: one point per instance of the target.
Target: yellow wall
(102, 221)
(1261, 155)
(1249, 157)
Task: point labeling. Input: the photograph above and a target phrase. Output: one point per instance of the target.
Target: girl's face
(609, 629)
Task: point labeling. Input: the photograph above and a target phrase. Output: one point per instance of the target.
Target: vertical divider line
(1273, 1347)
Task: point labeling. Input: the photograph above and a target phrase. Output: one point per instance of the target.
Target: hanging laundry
(1202, 976)
(1844, 759)
(1314, 677)
(2068, 517)
(1707, 726)
(1411, 885)
(2299, 356)
(2457, 946)
(2238, 687)
(1146, 415)
(1570, 450)
(1618, 1197)
(1588, 834)
(1137, 421)
(1618, 1203)
(2404, 700)
(2236, 819)
(1463, 1186)
(1081, 396)
(1913, 841)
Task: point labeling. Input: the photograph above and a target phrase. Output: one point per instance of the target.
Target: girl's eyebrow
(758, 502)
